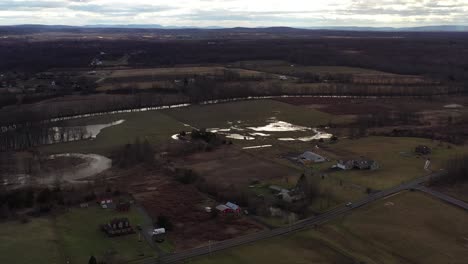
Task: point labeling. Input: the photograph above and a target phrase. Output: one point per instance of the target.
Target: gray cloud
(346, 12)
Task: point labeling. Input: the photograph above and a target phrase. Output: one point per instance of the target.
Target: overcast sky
(232, 13)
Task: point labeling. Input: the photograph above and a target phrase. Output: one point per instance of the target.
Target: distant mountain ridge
(437, 28)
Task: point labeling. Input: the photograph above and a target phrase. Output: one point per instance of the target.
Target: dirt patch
(227, 167)
(184, 206)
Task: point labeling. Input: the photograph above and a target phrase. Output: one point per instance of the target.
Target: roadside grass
(80, 236)
(459, 190)
(32, 242)
(152, 125)
(409, 227)
(250, 113)
(295, 248)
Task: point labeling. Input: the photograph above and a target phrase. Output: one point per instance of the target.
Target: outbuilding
(223, 209)
(234, 207)
(310, 157)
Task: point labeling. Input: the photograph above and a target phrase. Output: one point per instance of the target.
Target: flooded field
(273, 126)
(67, 134)
(69, 167)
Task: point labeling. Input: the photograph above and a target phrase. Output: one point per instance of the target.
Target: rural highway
(443, 197)
(305, 223)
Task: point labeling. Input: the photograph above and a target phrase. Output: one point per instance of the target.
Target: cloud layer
(229, 13)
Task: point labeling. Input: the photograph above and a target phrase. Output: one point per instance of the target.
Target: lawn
(395, 156)
(33, 242)
(151, 125)
(406, 228)
(80, 236)
(72, 236)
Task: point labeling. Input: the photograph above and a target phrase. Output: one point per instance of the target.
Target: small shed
(223, 209)
(310, 157)
(345, 164)
(234, 207)
(106, 203)
(423, 150)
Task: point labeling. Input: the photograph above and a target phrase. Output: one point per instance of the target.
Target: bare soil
(229, 167)
(184, 206)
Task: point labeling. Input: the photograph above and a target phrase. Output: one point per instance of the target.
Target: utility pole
(209, 246)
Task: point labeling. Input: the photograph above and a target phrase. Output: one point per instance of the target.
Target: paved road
(443, 197)
(309, 222)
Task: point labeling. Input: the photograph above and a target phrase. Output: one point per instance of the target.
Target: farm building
(288, 195)
(422, 150)
(234, 207)
(361, 164)
(224, 209)
(118, 227)
(106, 203)
(310, 157)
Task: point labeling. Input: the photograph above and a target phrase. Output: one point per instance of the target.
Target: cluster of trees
(138, 152)
(456, 172)
(381, 119)
(41, 200)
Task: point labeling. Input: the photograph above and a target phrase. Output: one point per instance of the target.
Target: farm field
(395, 155)
(404, 228)
(250, 113)
(36, 237)
(284, 67)
(159, 126)
(396, 158)
(72, 236)
(79, 235)
(165, 77)
(229, 167)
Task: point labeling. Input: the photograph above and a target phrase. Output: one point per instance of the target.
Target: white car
(159, 231)
(349, 204)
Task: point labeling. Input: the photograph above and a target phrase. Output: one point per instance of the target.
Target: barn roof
(311, 156)
(233, 206)
(222, 207)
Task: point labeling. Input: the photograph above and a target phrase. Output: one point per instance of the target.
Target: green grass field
(395, 156)
(406, 228)
(80, 236)
(159, 126)
(73, 236)
(250, 112)
(33, 242)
